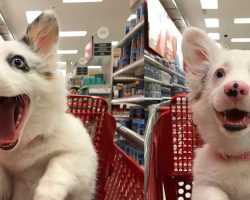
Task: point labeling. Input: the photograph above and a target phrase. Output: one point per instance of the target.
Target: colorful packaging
(133, 49)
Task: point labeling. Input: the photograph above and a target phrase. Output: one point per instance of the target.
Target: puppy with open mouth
(45, 153)
(219, 81)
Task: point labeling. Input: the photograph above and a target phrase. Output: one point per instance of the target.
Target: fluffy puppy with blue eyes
(219, 81)
(45, 153)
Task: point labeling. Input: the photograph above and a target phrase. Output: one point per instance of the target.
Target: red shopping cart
(119, 177)
(172, 151)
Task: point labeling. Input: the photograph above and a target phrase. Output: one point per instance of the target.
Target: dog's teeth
(225, 116)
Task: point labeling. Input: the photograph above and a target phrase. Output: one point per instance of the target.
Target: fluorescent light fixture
(67, 51)
(133, 16)
(209, 4)
(32, 15)
(113, 43)
(214, 36)
(1, 39)
(212, 22)
(242, 20)
(72, 33)
(94, 67)
(62, 62)
(240, 39)
(81, 1)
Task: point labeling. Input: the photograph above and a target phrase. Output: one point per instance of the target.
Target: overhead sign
(102, 49)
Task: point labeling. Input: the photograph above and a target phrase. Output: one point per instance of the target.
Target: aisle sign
(102, 49)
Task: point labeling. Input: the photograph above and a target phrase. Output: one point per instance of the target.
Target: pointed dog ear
(42, 34)
(199, 51)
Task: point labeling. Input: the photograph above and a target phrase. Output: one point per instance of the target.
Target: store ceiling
(228, 10)
(73, 17)
(114, 14)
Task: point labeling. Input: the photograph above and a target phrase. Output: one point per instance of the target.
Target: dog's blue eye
(19, 63)
(220, 73)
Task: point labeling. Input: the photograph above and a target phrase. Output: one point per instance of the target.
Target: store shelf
(137, 65)
(99, 90)
(152, 99)
(128, 99)
(179, 86)
(161, 66)
(136, 99)
(156, 81)
(130, 35)
(166, 98)
(126, 78)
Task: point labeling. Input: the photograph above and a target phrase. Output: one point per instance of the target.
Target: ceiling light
(113, 43)
(242, 20)
(209, 4)
(212, 22)
(32, 15)
(94, 67)
(214, 36)
(133, 16)
(72, 33)
(240, 39)
(81, 1)
(67, 51)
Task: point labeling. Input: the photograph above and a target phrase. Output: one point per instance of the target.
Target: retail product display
(136, 154)
(133, 118)
(97, 79)
(128, 90)
(132, 50)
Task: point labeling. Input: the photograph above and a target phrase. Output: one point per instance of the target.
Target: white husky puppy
(219, 81)
(45, 154)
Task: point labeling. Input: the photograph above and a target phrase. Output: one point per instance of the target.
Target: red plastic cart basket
(119, 177)
(172, 151)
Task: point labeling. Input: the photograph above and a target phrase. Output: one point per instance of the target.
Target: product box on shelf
(128, 90)
(153, 90)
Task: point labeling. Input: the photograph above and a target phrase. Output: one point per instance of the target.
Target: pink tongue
(7, 121)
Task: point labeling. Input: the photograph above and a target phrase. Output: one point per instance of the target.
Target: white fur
(215, 178)
(60, 163)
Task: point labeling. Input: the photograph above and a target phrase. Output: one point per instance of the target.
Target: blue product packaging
(141, 127)
(127, 29)
(142, 12)
(138, 15)
(132, 24)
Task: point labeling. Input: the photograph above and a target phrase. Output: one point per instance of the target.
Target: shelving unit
(148, 79)
(129, 35)
(132, 68)
(135, 99)
(161, 66)
(126, 78)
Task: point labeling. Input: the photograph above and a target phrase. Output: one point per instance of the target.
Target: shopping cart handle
(133, 137)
